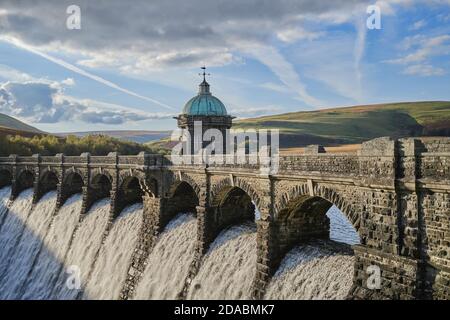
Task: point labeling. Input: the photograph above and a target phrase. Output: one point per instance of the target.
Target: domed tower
(206, 109)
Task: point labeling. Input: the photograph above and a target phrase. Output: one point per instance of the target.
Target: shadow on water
(12, 228)
(83, 250)
(28, 247)
(28, 244)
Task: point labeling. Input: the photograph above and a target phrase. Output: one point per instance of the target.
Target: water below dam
(57, 254)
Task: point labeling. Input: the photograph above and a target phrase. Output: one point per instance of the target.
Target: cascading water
(37, 252)
(110, 270)
(28, 247)
(5, 193)
(13, 226)
(228, 268)
(168, 263)
(318, 270)
(80, 257)
(56, 243)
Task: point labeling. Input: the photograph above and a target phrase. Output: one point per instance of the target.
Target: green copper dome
(204, 104)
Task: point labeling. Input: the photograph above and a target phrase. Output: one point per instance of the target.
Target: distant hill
(7, 122)
(356, 124)
(139, 136)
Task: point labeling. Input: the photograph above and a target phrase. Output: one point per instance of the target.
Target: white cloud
(68, 82)
(424, 48)
(274, 87)
(297, 33)
(149, 36)
(424, 70)
(213, 33)
(418, 25)
(45, 102)
(421, 50)
(9, 73)
(255, 111)
(284, 70)
(80, 71)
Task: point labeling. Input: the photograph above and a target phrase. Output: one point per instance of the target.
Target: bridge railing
(50, 159)
(6, 160)
(320, 163)
(74, 159)
(434, 166)
(249, 162)
(26, 160)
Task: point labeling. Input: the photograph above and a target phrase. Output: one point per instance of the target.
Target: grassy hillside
(356, 124)
(12, 123)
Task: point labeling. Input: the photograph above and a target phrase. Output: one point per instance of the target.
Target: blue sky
(134, 67)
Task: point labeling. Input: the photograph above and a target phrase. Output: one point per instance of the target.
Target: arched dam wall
(395, 194)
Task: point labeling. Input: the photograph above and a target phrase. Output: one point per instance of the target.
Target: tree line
(48, 145)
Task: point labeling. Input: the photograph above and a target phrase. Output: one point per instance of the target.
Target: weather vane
(204, 74)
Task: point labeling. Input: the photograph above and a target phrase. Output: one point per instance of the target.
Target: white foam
(81, 255)
(27, 249)
(228, 269)
(318, 270)
(56, 243)
(168, 263)
(13, 226)
(112, 264)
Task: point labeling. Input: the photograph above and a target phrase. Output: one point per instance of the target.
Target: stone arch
(101, 186)
(48, 181)
(240, 183)
(300, 216)
(95, 173)
(194, 185)
(24, 180)
(130, 173)
(183, 197)
(217, 188)
(5, 178)
(49, 177)
(323, 192)
(72, 184)
(252, 192)
(129, 192)
(231, 205)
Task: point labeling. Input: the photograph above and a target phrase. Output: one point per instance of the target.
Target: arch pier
(396, 194)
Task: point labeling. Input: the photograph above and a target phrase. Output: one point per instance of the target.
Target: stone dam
(141, 227)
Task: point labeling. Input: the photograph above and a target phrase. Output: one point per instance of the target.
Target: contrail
(82, 72)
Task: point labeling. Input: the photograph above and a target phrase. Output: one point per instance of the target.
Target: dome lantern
(206, 109)
(204, 103)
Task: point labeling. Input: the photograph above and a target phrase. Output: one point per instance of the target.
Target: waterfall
(26, 250)
(44, 256)
(80, 257)
(5, 193)
(168, 263)
(228, 268)
(50, 260)
(111, 267)
(317, 270)
(13, 226)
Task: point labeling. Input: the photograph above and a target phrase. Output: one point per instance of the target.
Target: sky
(133, 65)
